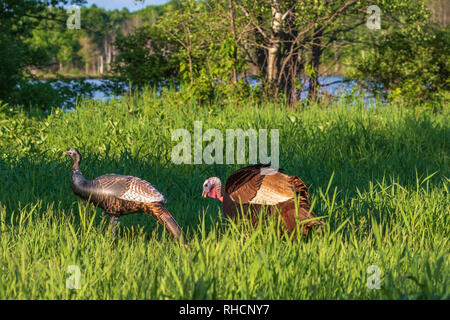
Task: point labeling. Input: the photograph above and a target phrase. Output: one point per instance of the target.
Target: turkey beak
(204, 193)
(65, 153)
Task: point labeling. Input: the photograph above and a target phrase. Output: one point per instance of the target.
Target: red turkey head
(212, 187)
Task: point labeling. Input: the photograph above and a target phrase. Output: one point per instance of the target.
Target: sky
(119, 4)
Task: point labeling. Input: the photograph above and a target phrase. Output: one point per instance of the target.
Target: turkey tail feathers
(165, 218)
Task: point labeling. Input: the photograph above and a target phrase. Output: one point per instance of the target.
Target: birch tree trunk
(100, 67)
(274, 50)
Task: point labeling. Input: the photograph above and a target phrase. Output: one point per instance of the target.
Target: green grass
(378, 175)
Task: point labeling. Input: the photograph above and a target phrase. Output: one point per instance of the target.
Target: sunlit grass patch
(379, 177)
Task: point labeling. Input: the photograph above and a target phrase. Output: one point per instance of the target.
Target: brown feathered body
(119, 195)
(253, 187)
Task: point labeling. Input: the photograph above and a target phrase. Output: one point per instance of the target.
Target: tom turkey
(261, 184)
(119, 195)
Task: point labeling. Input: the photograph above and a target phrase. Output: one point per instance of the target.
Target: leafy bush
(38, 94)
(144, 57)
(57, 93)
(410, 67)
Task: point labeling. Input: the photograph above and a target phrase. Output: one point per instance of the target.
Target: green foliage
(185, 46)
(379, 176)
(45, 95)
(18, 52)
(55, 41)
(40, 95)
(144, 57)
(10, 72)
(411, 69)
(197, 43)
(407, 61)
(222, 59)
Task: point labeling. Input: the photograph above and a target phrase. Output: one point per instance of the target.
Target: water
(96, 89)
(104, 95)
(105, 90)
(333, 85)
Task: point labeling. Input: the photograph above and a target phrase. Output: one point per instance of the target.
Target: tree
(407, 64)
(18, 20)
(145, 57)
(278, 36)
(88, 51)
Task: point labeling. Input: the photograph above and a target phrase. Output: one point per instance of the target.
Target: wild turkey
(258, 185)
(119, 195)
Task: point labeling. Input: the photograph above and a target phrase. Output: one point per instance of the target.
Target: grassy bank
(379, 176)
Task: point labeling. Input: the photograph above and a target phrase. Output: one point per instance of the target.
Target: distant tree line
(212, 47)
(286, 45)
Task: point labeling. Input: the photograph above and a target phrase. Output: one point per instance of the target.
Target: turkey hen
(119, 195)
(262, 185)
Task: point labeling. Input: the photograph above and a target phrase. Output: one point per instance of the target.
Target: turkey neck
(79, 184)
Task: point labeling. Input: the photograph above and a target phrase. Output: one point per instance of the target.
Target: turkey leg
(113, 220)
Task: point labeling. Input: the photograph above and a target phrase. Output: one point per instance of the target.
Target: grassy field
(379, 177)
